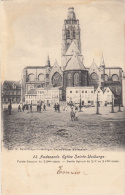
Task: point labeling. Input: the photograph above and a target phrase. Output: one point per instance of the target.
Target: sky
(31, 30)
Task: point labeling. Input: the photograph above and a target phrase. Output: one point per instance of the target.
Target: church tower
(70, 33)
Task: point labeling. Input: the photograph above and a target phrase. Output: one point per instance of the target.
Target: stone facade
(72, 71)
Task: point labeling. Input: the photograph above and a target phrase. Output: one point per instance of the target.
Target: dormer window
(14, 86)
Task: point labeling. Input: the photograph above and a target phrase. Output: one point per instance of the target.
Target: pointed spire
(48, 61)
(102, 63)
(93, 63)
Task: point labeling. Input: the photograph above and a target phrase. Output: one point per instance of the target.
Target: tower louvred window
(68, 34)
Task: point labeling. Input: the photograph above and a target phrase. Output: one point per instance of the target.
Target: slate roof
(10, 84)
(72, 49)
(93, 65)
(75, 63)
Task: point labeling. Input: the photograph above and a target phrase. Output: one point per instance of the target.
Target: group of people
(29, 107)
(57, 107)
(74, 114)
(39, 107)
(25, 107)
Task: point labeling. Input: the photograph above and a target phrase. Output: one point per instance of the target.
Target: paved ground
(52, 130)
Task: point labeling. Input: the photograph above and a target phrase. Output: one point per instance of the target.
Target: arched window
(76, 79)
(69, 80)
(31, 77)
(41, 77)
(56, 79)
(115, 77)
(105, 77)
(94, 80)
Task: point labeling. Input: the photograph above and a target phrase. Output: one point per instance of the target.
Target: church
(72, 72)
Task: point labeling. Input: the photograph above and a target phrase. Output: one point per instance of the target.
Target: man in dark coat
(44, 107)
(55, 107)
(30, 107)
(19, 108)
(9, 108)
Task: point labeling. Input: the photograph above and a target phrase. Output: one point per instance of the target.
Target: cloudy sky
(33, 29)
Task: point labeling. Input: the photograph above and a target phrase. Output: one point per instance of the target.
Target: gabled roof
(55, 65)
(72, 49)
(32, 91)
(93, 65)
(75, 63)
(11, 83)
(106, 88)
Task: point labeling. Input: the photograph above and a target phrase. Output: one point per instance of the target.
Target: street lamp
(97, 111)
(80, 105)
(112, 110)
(119, 110)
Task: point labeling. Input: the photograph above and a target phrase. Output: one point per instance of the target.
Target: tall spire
(102, 63)
(48, 61)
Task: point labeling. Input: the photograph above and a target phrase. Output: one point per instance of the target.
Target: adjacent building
(76, 94)
(47, 95)
(11, 92)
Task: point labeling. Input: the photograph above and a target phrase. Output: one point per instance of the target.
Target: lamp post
(112, 110)
(119, 110)
(97, 111)
(80, 105)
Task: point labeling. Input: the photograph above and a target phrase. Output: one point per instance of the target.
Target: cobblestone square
(52, 130)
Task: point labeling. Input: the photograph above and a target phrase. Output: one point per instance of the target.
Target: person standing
(23, 108)
(72, 114)
(76, 114)
(55, 107)
(30, 107)
(19, 108)
(9, 108)
(44, 107)
(58, 107)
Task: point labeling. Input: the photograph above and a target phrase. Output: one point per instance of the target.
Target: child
(72, 114)
(76, 114)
